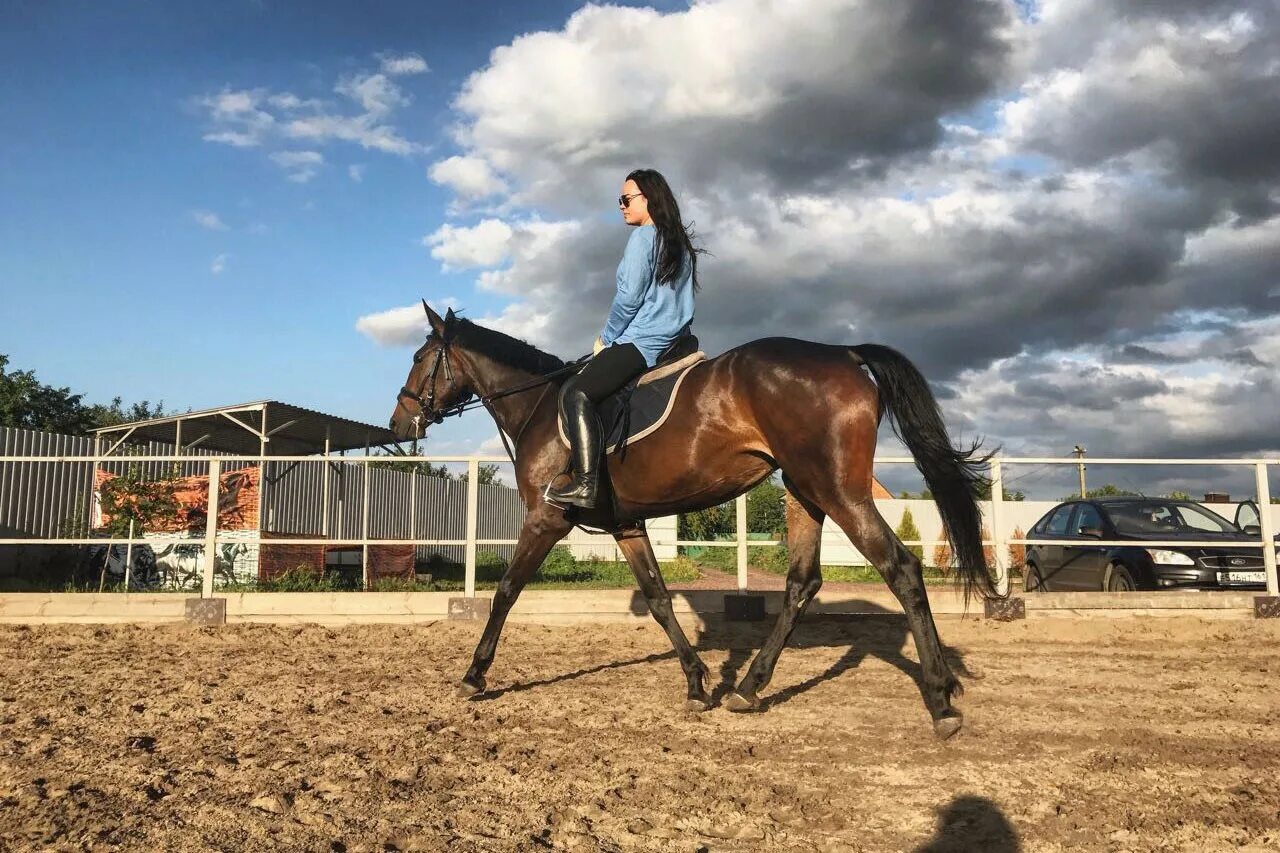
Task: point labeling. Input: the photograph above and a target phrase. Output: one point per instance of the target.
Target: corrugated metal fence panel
(41, 499)
(48, 500)
(402, 505)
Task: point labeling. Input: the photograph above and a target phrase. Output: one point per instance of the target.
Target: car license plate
(1242, 577)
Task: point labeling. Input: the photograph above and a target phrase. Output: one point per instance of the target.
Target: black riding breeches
(613, 368)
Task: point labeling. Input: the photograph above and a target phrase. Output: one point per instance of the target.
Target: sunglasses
(624, 201)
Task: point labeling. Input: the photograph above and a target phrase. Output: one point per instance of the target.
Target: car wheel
(1120, 580)
(1031, 579)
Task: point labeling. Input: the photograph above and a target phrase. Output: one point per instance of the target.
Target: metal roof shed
(263, 428)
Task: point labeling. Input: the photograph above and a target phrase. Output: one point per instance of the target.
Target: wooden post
(473, 517)
(998, 550)
(210, 555)
(1268, 529)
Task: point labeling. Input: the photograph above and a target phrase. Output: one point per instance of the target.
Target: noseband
(427, 407)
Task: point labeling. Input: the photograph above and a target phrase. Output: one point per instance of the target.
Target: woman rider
(657, 278)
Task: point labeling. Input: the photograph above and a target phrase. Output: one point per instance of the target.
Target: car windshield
(1165, 518)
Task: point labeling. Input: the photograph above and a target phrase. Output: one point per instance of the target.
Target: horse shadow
(970, 823)
(871, 631)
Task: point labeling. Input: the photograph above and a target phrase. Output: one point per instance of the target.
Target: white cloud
(400, 326)
(208, 219)
(362, 130)
(301, 165)
(409, 63)
(1071, 216)
(395, 327)
(256, 117)
(219, 264)
(485, 244)
(356, 172)
(469, 177)
(374, 92)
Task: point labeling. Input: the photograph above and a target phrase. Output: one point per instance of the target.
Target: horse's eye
(417, 357)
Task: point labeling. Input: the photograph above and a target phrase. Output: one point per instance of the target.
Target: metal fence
(464, 530)
(318, 497)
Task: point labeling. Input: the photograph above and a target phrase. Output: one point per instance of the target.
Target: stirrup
(575, 483)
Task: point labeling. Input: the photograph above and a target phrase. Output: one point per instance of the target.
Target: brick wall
(237, 500)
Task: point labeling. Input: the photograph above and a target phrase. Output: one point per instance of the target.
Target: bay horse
(808, 409)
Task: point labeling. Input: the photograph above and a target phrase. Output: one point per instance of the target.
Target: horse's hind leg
(635, 546)
(804, 579)
(901, 569)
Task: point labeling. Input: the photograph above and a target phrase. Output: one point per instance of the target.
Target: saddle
(643, 405)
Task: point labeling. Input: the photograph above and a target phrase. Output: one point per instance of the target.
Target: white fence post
(1268, 531)
(128, 558)
(209, 557)
(742, 543)
(473, 515)
(364, 529)
(998, 550)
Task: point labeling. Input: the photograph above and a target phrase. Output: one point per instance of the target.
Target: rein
(433, 415)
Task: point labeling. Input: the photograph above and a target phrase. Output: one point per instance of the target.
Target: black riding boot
(582, 422)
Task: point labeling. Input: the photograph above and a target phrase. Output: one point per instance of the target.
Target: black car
(1086, 566)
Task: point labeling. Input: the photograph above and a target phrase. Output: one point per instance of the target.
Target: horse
(809, 409)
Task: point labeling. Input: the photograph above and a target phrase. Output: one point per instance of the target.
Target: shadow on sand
(873, 631)
(970, 823)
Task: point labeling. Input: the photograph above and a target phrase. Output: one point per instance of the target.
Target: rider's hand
(596, 347)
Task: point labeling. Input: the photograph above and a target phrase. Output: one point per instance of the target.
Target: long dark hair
(675, 239)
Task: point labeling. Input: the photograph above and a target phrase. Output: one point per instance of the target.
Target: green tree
(705, 525)
(984, 492)
(486, 475)
(1107, 491)
(908, 531)
(1177, 495)
(116, 413)
(766, 510)
(148, 502)
(27, 403)
(426, 469)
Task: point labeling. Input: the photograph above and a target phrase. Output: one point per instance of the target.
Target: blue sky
(104, 263)
(1032, 200)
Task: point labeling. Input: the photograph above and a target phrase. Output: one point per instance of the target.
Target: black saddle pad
(641, 406)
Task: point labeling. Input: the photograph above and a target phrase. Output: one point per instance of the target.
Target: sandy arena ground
(1133, 734)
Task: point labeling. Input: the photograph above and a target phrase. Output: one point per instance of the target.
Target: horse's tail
(954, 476)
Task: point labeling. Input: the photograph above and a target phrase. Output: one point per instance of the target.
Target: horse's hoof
(697, 705)
(740, 704)
(947, 726)
(468, 690)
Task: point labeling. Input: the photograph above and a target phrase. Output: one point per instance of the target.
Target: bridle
(427, 408)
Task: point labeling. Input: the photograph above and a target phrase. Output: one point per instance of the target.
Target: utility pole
(1079, 451)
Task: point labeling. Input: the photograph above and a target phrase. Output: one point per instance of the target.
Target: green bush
(559, 561)
(907, 531)
(304, 579)
(770, 558)
(766, 510)
(708, 525)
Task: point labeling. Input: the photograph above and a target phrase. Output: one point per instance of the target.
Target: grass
(774, 560)
(559, 571)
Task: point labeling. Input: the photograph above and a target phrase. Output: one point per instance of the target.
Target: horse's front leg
(635, 545)
(543, 528)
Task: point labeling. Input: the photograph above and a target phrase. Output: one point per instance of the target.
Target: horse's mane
(503, 348)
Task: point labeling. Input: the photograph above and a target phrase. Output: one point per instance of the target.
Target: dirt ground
(1132, 734)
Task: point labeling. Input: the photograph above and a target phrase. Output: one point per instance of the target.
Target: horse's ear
(437, 325)
(448, 316)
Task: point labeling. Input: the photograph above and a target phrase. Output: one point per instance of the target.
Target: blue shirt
(644, 312)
